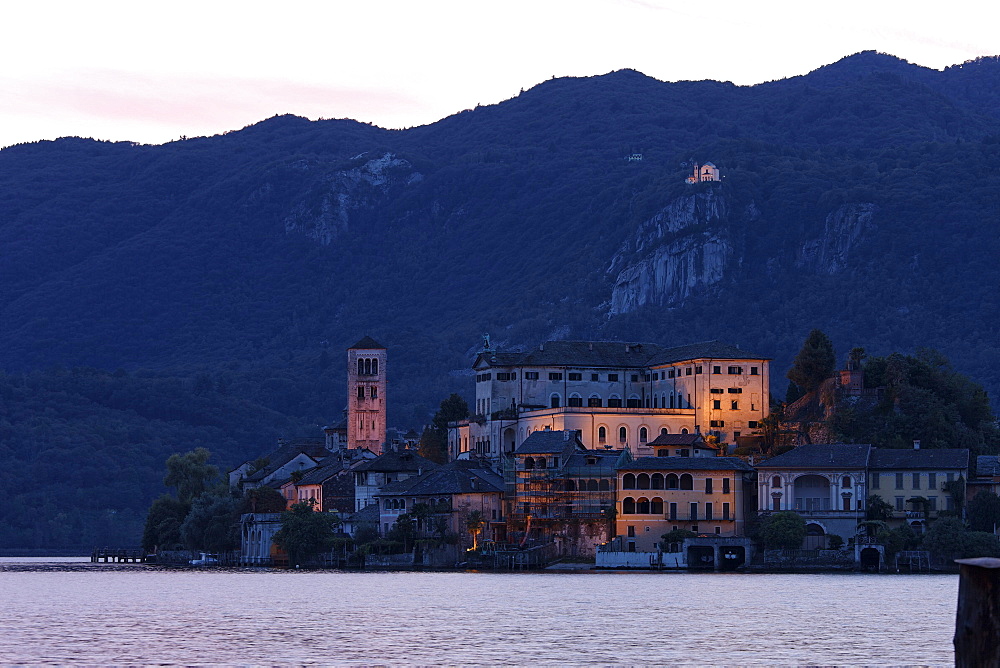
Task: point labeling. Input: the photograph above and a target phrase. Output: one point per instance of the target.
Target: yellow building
(914, 482)
(706, 495)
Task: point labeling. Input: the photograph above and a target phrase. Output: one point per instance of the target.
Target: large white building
(613, 393)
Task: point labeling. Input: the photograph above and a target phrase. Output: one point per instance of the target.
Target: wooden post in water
(977, 623)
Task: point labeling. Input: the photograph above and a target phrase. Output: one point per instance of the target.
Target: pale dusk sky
(153, 71)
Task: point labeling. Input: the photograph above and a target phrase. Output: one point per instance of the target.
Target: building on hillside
(682, 445)
(331, 484)
(392, 466)
(702, 173)
(915, 483)
(614, 394)
(299, 454)
(450, 495)
(706, 495)
(986, 477)
(826, 484)
(558, 490)
(366, 395)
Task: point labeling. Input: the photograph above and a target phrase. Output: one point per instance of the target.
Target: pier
(130, 555)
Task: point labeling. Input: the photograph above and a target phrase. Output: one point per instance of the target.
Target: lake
(68, 612)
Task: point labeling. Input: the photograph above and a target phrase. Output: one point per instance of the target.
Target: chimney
(916, 445)
(566, 434)
(541, 346)
(591, 345)
(627, 347)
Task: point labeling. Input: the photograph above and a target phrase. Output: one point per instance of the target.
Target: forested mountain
(860, 199)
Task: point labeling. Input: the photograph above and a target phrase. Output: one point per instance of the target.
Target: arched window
(664, 430)
(776, 481)
(656, 481)
(671, 481)
(375, 367)
(361, 367)
(575, 400)
(402, 504)
(846, 482)
(614, 401)
(594, 401)
(540, 462)
(628, 481)
(656, 401)
(642, 506)
(684, 430)
(602, 435)
(529, 463)
(592, 486)
(368, 367)
(643, 435)
(570, 486)
(622, 434)
(633, 402)
(628, 506)
(554, 400)
(642, 481)
(656, 506)
(604, 485)
(686, 481)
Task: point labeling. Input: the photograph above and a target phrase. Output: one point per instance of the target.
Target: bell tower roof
(367, 343)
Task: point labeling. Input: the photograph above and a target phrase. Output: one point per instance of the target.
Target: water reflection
(139, 615)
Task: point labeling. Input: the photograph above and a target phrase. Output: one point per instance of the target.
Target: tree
(783, 530)
(474, 523)
(304, 532)
(163, 523)
(403, 531)
(878, 510)
(264, 499)
(190, 473)
(675, 537)
(947, 538)
(212, 523)
(434, 441)
(984, 512)
(814, 363)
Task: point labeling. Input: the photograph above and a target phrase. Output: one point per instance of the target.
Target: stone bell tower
(366, 415)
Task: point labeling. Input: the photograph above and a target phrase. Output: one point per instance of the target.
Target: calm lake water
(57, 612)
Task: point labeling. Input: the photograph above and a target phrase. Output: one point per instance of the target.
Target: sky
(154, 71)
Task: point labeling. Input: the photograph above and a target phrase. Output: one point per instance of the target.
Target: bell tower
(366, 415)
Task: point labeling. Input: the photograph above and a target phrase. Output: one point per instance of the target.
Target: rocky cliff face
(685, 247)
(843, 230)
(344, 192)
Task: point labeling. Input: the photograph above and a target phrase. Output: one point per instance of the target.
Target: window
(655, 507)
(687, 371)
(642, 506)
(899, 482)
(932, 503)
(686, 481)
(361, 392)
(504, 376)
(656, 481)
(656, 376)
(374, 392)
(846, 482)
(916, 481)
(555, 375)
(614, 402)
(725, 511)
(725, 485)
(631, 546)
(631, 531)
(576, 402)
(576, 376)
(716, 369)
(708, 485)
(753, 424)
(595, 377)
(694, 511)
(635, 378)
(734, 405)
(554, 401)
(594, 401)
(643, 434)
(735, 390)
(673, 511)
(531, 375)
(684, 452)
(876, 478)
(716, 390)
(697, 370)
(612, 377)
(776, 482)
(717, 423)
(717, 404)
(628, 506)
(663, 453)
(753, 371)
(735, 370)
(932, 481)
(708, 511)
(602, 434)
(899, 503)
(633, 402)
(671, 480)
(670, 373)
(622, 434)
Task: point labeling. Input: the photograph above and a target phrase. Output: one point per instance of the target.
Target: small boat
(206, 559)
